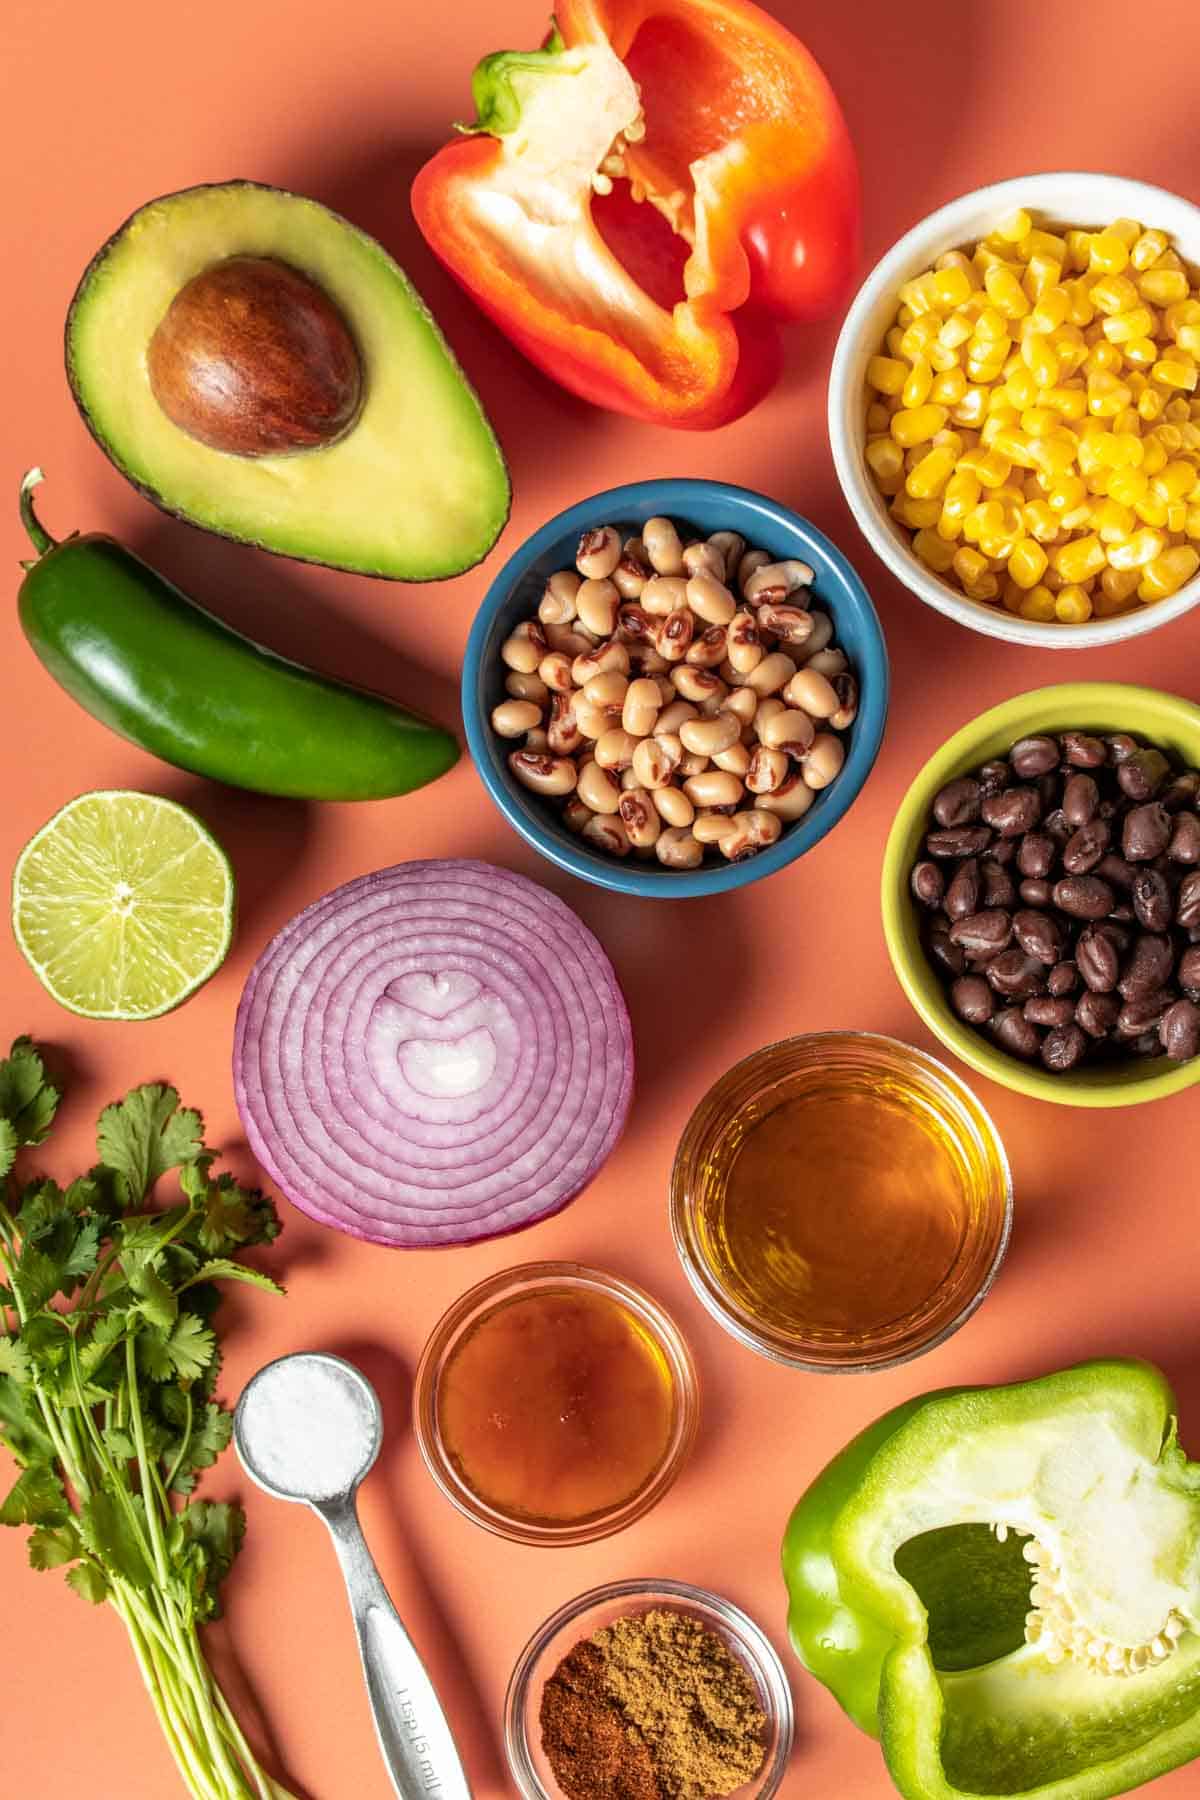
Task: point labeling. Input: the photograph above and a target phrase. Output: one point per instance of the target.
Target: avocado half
(415, 490)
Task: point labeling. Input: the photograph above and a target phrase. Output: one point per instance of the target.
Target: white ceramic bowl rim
(1071, 197)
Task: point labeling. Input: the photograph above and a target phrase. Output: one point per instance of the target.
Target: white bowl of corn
(1014, 409)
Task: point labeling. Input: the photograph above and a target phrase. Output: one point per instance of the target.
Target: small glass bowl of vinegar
(841, 1202)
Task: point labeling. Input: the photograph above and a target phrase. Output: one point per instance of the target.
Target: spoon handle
(414, 1736)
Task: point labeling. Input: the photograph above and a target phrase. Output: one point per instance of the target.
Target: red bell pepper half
(640, 200)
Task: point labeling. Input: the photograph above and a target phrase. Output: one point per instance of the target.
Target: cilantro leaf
(9, 1144)
(114, 1531)
(155, 1300)
(14, 1361)
(144, 1135)
(212, 1533)
(229, 1216)
(50, 1546)
(21, 1425)
(119, 1444)
(186, 1352)
(35, 1278)
(37, 1498)
(27, 1100)
(88, 1581)
(222, 1268)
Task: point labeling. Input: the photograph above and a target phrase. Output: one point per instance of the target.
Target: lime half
(123, 905)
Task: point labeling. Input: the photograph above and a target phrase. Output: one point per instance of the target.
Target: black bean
(1013, 1032)
(1184, 846)
(1039, 935)
(998, 889)
(1044, 1009)
(994, 775)
(1182, 791)
(941, 949)
(928, 884)
(1003, 851)
(1146, 832)
(1097, 960)
(1116, 871)
(1064, 1048)
(1179, 1030)
(1188, 972)
(1037, 893)
(1083, 751)
(960, 840)
(1097, 1013)
(1033, 756)
(971, 998)
(1142, 774)
(1057, 826)
(1143, 1012)
(958, 802)
(1062, 979)
(1120, 746)
(1036, 853)
(962, 895)
(1080, 799)
(1015, 975)
(1083, 896)
(983, 933)
(1152, 902)
(1085, 847)
(1012, 811)
(1187, 902)
(1148, 966)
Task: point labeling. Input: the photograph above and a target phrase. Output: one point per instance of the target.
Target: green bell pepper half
(1003, 1585)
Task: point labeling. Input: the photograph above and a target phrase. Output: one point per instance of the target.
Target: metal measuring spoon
(308, 1427)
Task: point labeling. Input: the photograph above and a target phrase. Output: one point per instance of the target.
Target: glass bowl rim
(754, 1646)
(709, 1295)
(528, 1277)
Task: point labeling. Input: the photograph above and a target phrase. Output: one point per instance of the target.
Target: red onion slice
(433, 1054)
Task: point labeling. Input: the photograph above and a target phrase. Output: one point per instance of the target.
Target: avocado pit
(253, 358)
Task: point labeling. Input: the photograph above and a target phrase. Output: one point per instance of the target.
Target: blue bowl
(708, 506)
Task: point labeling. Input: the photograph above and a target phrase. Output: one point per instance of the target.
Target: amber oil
(841, 1201)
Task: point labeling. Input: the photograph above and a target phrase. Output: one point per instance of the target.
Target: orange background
(107, 105)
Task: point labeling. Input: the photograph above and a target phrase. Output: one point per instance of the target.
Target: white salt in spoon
(308, 1427)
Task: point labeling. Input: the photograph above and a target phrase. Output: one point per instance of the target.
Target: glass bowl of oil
(555, 1403)
(841, 1202)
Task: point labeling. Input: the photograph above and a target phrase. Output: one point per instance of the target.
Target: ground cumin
(652, 1707)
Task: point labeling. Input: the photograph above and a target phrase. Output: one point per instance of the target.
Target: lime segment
(123, 905)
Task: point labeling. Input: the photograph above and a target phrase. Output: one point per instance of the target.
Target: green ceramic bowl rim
(1166, 719)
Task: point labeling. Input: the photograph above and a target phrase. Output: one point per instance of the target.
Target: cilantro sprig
(108, 1369)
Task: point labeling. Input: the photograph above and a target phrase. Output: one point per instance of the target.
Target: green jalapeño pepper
(153, 666)
(1003, 1585)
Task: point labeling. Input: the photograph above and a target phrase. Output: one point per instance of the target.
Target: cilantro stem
(184, 1445)
(139, 1438)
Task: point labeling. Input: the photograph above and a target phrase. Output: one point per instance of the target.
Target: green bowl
(1097, 706)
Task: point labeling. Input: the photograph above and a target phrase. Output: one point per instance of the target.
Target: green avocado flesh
(415, 490)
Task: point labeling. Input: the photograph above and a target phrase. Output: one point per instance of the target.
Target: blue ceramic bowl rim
(671, 495)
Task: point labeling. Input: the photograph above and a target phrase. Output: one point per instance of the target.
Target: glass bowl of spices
(840, 1202)
(642, 1690)
(554, 1403)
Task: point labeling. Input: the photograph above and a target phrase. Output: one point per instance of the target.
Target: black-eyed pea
(672, 716)
(772, 582)
(710, 827)
(632, 572)
(731, 544)
(513, 718)
(696, 685)
(823, 763)
(664, 548)
(828, 662)
(714, 788)
(846, 689)
(706, 736)
(525, 648)
(791, 801)
(527, 687)
(557, 604)
(640, 817)
(599, 553)
(771, 674)
(555, 670)
(735, 760)
(714, 703)
(710, 599)
(790, 624)
(673, 806)
(819, 638)
(693, 762)
(653, 763)
(707, 649)
(748, 562)
(568, 639)
(614, 749)
(575, 814)
(664, 594)
(592, 721)
(608, 689)
(599, 660)
(607, 833)
(598, 788)
(749, 833)
(629, 779)
(742, 702)
(791, 731)
(642, 705)
(543, 773)
(645, 660)
(634, 625)
(729, 674)
(813, 693)
(598, 604)
(538, 741)
(769, 769)
(674, 636)
(744, 642)
(704, 558)
(768, 708)
(667, 693)
(678, 849)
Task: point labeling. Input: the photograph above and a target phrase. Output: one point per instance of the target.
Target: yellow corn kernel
(915, 391)
(1188, 338)
(953, 259)
(1128, 230)
(1042, 274)
(1069, 399)
(934, 551)
(1080, 517)
(951, 440)
(956, 330)
(1072, 605)
(1071, 348)
(1015, 227)
(1123, 327)
(1177, 512)
(948, 387)
(1106, 395)
(1148, 248)
(1154, 458)
(1005, 292)
(1040, 421)
(1040, 521)
(969, 565)
(916, 296)
(1081, 558)
(989, 466)
(916, 425)
(1108, 253)
(1113, 521)
(1141, 352)
(962, 493)
(918, 515)
(886, 374)
(991, 326)
(950, 286)
(1079, 248)
(1115, 294)
(1181, 312)
(1150, 402)
(1028, 562)
(1176, 481)
(1041, 359)
(1038, 604)
(1177, 370)
(878, 418)
(930, 476)
(1192, 522)
(893, 341)
(885, 459)
(941, 359)
(1168, 572)
(1082, 310)
(1176, 411)
(1119, 584)
(1051, 311)
(1151, 510)
(984, 373)
(1066, 494)
(972, 408)
(1016, 446)
(1042, 243)
(947, 527)
(1161, 287)
(919, 335)
(987, 588)
(1127, 486)
(1139, 549)
(1021, 389)
(1170, 259)
(1104, 358)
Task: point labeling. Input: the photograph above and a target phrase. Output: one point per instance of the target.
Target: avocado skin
(149, 492)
